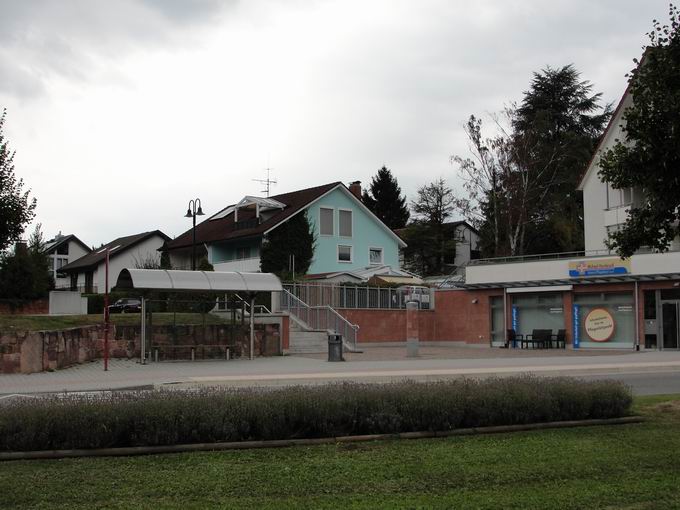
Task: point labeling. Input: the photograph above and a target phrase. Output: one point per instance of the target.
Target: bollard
(412, 334)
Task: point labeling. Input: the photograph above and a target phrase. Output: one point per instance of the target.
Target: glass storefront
(604, 320)
(542, 310)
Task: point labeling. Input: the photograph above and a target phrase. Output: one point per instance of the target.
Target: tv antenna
(268, 182)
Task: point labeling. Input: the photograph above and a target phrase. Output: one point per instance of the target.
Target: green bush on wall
(217, 414)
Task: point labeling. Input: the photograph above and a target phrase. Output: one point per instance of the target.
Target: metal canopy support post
(252, 325)
(505, 317)
(637, 318)
(142, 354)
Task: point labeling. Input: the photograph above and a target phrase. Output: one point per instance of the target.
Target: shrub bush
(216, 414)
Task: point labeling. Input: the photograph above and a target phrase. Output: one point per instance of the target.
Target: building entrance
(670, 324)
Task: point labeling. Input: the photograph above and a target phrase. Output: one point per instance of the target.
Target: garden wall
(36, 351)
(37, 307)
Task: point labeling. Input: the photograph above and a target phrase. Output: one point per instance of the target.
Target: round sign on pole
(599, 325)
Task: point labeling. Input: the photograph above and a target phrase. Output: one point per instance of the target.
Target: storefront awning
(197, 281)
(591, 280)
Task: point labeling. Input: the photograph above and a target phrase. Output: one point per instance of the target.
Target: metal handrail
(320, 318)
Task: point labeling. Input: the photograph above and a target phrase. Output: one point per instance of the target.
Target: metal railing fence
(360, 297)
(321, 317)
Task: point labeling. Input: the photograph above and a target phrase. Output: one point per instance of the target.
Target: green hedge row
(214, 414)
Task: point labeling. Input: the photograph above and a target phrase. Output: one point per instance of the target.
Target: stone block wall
(36, 351)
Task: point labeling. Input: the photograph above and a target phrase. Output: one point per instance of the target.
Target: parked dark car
(126, 305)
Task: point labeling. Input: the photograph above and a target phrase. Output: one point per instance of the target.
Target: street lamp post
(193, 211)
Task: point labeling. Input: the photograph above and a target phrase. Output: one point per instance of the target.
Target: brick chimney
(355, 188)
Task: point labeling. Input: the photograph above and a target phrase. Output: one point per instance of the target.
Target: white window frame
(382, 256)
(351, 253)
(351, 223)
(332, 209)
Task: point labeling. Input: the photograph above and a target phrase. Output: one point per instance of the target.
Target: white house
(61, 250)
(88, 273)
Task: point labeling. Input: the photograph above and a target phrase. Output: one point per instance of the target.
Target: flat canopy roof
(586, 280)
(187, 281)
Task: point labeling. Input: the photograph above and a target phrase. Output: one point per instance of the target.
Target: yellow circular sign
(599, 325)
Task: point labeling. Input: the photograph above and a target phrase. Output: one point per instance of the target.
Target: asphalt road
(645, 383)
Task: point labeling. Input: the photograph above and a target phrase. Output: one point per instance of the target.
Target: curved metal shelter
(197, 281)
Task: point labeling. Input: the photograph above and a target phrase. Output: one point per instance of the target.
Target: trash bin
(335, 348)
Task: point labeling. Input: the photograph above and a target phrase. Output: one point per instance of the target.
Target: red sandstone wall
(455, 318)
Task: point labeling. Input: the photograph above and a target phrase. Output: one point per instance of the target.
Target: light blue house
(350, 240)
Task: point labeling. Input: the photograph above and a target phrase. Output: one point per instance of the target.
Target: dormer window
(256, 205)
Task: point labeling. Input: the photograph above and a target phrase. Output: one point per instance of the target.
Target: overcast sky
(121, 112)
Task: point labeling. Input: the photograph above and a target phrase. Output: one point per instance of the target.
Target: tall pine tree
(564, 120)
(386, 201)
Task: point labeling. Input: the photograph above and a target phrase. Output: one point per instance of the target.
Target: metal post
(142, 354)
(505, 318)
(252, 326)
(193, 243)
(106, 312)
(637, 318)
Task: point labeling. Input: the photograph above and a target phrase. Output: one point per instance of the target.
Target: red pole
(106, 313)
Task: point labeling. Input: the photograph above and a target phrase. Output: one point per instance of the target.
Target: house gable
(367, 233)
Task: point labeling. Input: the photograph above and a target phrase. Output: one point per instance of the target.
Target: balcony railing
(561, 255)
(251, 265)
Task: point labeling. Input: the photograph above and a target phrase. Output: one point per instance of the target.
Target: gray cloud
(40, 39)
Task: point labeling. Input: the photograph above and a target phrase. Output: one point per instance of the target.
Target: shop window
(537, 311)
(612, 322)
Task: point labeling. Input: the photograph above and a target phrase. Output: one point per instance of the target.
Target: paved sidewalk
(298, 369)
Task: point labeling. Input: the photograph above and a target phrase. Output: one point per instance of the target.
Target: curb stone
(282, 443)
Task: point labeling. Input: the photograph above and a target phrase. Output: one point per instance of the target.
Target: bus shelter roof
(197, 281)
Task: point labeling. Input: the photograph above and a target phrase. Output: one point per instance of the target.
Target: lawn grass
(624, 466)
(10, 323)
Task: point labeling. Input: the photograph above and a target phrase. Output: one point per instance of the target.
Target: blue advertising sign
(599, 267)
(577, 326)
(515, 318)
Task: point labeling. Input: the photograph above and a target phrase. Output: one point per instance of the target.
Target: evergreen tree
(288, 249)
(25, 274)
(522, 182)
(386, 201)
(16, 208)
(564, 121)
(431, 243)
(648, 157)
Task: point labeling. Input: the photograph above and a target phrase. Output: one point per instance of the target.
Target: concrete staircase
(306, 341)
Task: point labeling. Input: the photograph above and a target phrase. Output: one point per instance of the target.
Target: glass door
(670, 323)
